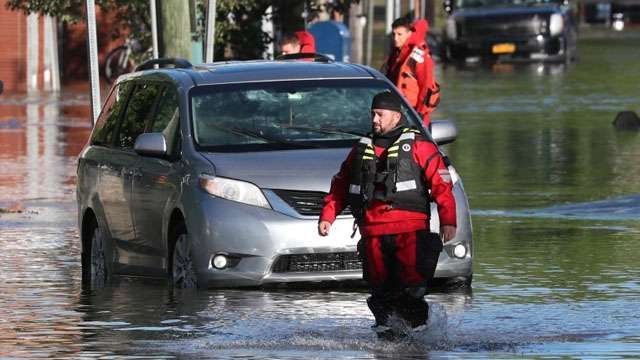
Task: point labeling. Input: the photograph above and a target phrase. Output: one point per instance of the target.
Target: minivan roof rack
(297, 56)
(175, 62)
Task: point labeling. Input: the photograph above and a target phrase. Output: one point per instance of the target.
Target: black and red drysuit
(389, 197)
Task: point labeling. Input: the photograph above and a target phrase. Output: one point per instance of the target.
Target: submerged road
(555, 196)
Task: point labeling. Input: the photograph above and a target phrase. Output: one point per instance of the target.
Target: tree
(133, 14)
(239, 32)
(174, 29)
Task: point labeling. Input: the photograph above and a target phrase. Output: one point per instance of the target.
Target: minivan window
(108, 120)
(167, 117)
(276, 115)
(139, 111)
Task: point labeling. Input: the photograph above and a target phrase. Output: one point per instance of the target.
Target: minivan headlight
(556, 24)
(234, 190)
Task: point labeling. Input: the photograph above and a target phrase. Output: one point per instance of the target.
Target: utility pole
(33, 63)
(370, 23)
(94, 75)
(356, 28)
(154, 27)
(389, 16)
(51, 69)
(211, 31)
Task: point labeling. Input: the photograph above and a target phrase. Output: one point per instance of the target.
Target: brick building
(37, 53)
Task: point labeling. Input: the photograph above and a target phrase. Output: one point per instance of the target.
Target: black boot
(380, 309)
(413, 308)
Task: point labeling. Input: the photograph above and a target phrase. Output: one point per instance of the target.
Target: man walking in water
(389, 180)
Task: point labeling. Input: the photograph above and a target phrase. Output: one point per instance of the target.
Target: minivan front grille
(513, 25)
(306, 202)
(320, 262)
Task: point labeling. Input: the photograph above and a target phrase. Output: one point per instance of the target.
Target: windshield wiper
(270, 139)
(326, 130)
(260, 136)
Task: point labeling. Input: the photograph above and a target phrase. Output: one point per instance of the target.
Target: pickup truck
(511, 30)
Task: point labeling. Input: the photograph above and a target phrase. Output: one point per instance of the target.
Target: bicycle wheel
(117, 63)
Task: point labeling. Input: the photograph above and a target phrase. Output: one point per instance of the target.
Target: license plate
(504, 48)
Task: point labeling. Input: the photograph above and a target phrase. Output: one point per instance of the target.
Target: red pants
(401, 260)
(398, 269)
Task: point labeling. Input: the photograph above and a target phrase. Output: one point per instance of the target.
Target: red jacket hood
(419, 28)
(307, 42)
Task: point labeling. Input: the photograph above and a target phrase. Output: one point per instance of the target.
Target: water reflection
(39, 139)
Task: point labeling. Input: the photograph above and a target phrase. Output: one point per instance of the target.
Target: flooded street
(556, 207)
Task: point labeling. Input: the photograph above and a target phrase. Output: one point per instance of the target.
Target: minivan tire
(94, 260)
(183, 274)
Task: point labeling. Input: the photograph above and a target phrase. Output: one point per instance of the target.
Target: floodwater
(556, 203)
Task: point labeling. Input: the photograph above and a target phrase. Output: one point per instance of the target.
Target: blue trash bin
(332, 39)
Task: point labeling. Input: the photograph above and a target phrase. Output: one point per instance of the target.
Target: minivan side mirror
(151, 144)
(443, 131)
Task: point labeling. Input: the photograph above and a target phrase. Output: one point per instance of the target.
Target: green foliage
(239, 32)
(341, 6)
(133, 15)
(65, 10)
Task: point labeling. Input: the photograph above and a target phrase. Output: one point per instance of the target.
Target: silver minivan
(214, 175)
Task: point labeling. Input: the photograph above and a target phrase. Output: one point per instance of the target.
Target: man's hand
(447, 232)
(323, 228)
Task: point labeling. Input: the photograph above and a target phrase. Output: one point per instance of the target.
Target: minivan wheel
(94, 264)
(183, 272)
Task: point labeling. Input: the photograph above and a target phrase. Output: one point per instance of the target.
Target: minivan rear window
(107, 123)
(287, 114)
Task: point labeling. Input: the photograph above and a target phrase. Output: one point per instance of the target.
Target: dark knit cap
(386, 100)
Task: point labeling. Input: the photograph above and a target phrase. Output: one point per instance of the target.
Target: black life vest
(400, 181)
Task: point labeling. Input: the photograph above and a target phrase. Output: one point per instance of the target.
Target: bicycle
(124, 59)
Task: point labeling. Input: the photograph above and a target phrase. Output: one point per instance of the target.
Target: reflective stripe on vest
(404, 187)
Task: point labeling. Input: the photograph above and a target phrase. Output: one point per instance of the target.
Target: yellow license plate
(505, 48)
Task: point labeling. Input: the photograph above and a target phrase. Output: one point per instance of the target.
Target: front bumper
(537, 47)
(256, 239)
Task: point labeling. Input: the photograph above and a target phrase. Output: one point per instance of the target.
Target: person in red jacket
(410, 67)
(386, 180)
(298, 42)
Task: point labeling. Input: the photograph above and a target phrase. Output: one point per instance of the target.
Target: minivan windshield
(265, 116)
(497, 3)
